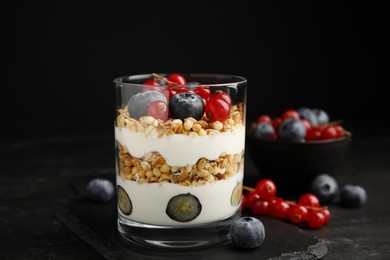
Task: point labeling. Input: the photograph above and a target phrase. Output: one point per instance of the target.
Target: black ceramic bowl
(296, 164)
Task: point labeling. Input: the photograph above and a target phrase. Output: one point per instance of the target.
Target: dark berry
(183, 207)
(247, 232)
(100, 190)
(124, 201)
(322, 116)
(308, 114)
(292, 130)
(138, 104)
(353, 196)
(236, 197)
(325, 187)
(264, 131)
(186, 104)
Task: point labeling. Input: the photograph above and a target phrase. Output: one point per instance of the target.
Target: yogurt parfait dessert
(180, 149)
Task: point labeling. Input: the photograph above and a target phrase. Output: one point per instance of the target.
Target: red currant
(204, 93)
(290, 113)
(280, 210)
(329, 133)
(263, 119)
(224, 96)
(276, 123)
(260, 207)
(306, 124)
(171, 93)
(179, 89)
(178, 79)
(316, 219)
(339, 131)
(158, 109)
(252, 197)
(217, 109)
(266, 189)
(244, 202)
(309, 199)
(152, 82)
(314, 134)
(298, 214)
(326, 214)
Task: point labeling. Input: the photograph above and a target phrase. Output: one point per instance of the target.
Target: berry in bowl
(297, 146)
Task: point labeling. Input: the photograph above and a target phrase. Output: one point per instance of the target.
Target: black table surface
(37, 177)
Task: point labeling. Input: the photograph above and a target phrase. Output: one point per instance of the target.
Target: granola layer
(152, 168)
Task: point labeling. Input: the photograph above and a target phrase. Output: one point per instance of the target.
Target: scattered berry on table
(266, 189)
(298, 214)
(316, 219)
(309, 199)
(325, 187)
(247, 232)
(100, 190)
(353, 196)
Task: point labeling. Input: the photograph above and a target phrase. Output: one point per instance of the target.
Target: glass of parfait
(180, 142)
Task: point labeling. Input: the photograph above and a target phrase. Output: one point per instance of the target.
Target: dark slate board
(95, 224)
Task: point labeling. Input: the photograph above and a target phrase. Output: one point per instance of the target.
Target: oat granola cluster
(153, 168)
(190, 126)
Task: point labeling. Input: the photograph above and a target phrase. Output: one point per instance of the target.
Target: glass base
(207, 235)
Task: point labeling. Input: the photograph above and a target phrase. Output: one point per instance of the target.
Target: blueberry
(247, 232)
(322, 116)
(308, 114)
(292, 130)
(139, 103)
(100, 190)
(325, 187)
(264, 130)
(352, 196)
(186, 104)
(183, 207)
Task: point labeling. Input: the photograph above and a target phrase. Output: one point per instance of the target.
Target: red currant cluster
(315, 123)
(216, 106)
(262, 201)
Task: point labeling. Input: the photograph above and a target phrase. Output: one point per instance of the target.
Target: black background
(60, 58)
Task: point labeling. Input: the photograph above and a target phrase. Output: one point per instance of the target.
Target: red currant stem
(248, 188)
(166, 80)
(347, 133)
(289, 202)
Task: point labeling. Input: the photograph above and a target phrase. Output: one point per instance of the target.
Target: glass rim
(239, 80)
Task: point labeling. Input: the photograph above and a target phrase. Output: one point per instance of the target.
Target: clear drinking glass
(179, 181)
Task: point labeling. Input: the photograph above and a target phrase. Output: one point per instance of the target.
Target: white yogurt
(179, 149)
(150, 200)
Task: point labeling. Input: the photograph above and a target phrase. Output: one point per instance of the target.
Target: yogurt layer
(150, 200)
(179, 149)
